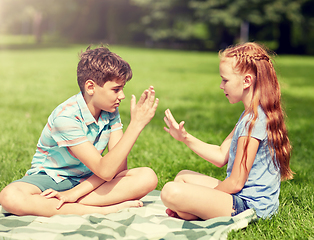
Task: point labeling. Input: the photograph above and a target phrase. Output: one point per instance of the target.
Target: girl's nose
(221, 85)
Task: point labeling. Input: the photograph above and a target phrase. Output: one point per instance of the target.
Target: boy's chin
(112, 110)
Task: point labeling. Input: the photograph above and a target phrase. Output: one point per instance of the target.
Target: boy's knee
(8, 198)
(149, 177)
(12, 199)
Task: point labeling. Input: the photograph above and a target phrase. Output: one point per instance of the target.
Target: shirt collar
(86, 114)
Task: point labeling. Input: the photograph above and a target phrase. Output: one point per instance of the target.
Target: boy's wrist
(135, 125)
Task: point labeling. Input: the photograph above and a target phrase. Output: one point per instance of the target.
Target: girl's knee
(180, 176)
(171, 192)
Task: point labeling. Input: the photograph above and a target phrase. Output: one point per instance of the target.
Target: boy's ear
(248, 80)
(90, 87)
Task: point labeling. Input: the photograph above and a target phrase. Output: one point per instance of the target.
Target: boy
(68, 174)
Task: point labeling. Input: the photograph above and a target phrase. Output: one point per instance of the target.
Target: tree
(171, 23)
(280, 16)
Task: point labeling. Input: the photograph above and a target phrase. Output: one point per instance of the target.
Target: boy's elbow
(106, 175)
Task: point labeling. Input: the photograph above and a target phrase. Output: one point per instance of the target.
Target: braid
(251, 57)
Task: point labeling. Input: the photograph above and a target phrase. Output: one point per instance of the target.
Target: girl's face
(232, 83)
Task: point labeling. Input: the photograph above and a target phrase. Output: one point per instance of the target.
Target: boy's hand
(62, 196)
(176, 130)
(145, 109)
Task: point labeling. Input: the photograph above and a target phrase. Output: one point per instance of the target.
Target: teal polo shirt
(70, 124)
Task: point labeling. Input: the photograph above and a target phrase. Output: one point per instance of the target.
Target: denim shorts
(239, 205)
(44, 182)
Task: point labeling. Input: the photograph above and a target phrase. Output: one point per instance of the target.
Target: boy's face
(109, 96)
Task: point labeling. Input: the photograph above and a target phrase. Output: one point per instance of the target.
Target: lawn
(35, 81)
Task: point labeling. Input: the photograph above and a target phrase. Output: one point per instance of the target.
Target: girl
(257, 150)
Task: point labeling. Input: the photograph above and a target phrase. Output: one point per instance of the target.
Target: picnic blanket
(147, 222)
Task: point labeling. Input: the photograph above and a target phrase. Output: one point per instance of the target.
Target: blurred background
(285, 26)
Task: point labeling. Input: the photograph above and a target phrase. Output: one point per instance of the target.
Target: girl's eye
(116, 90)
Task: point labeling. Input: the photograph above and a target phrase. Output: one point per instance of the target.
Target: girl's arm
(217, 155)
(240, 170)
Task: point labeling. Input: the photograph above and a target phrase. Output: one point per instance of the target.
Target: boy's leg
(190, 201)
(130, 184)
(22, 198)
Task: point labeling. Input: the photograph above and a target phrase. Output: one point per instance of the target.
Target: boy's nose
(121, 95)
(221, 85)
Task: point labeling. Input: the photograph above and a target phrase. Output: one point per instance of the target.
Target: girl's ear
(248, 80)
(90, 87)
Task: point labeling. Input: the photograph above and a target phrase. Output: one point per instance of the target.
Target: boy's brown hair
(101, 65)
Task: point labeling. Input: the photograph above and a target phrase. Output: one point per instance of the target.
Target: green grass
(35, 81)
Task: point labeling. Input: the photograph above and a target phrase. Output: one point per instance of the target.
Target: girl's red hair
(254, 58)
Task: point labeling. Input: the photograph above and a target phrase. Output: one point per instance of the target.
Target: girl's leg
(22, 198)
(187, 176)
(183, 188)
(190, 201)
(127, 185)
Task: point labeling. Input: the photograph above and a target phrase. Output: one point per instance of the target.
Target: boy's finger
(61, 202)
(151, 97)
(155, 105)
(143, 97)
(46, 192)
(133, 102)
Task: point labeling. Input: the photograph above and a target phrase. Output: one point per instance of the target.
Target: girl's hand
(63, 197)
(145, 109)
(176, 130)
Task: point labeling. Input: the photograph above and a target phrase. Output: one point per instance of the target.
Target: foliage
(36, 81)
(284, 25)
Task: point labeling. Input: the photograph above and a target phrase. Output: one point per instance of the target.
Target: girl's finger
(170, 117)
(181, 125)
(166, 121)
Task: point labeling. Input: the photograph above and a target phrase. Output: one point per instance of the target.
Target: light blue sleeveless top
(261, 190)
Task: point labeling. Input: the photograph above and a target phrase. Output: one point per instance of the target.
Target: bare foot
(181, 215)
(172, 213)
(117, 207)
(129, 204)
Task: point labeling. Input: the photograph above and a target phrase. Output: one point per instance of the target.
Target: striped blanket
(147, 222)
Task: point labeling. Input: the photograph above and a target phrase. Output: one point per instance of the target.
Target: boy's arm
(75, 193)
(113, 140)
(241, 169)
(89, 184)
(108, 166)
(217, 155)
